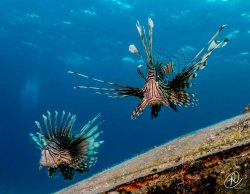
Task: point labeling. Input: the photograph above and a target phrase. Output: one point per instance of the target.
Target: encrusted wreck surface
(246, 110)
(215, 159)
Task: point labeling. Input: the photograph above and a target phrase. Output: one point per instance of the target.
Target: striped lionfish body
(65, 152)
(164, 84)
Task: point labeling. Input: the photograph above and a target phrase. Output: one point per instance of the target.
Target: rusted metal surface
(216, 149)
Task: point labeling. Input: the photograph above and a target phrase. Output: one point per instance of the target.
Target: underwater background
(41, 40)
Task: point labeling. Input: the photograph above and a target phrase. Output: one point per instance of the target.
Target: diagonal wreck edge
(192, 163)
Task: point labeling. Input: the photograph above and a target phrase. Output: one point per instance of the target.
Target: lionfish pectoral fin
(120, 91)
(180, 98)
(138, 110)
(52, 172)
(217, 44)
(97, 80)
(212, 44)
(170, 104)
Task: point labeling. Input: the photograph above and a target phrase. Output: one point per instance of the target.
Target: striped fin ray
(177, 96)
(125, 93)
(120, 92)
(65, 124)
(182, 98)
(58, 132)
(150, 37)
(146, 42)
(52, 130)
(36, 140)
(87, 126)
(45, 120)
(167, 69)
(50, 123)
(143, 38)
(67, 129)
(85, 145)
(181, 80)
(209, 43)
(98, 80)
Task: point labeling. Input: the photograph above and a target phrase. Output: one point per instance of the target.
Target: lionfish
(64, 152)
(164, 83)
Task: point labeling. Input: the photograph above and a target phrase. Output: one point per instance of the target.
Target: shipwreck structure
(215, 159)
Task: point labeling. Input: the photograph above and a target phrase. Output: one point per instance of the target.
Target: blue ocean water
(41, 40)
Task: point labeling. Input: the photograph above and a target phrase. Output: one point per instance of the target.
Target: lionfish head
(48, 159)
(53, 155)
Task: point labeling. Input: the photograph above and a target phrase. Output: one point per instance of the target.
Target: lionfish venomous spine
(63, 151)
(164, 84)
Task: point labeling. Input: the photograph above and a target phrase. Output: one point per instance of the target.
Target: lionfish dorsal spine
(61, 121)
(55, 123)
(65, 124)
(150, 28)
(68, 128)
(143, 37)
(45, 120)
(38, 125)
(49, 118)
(90, 123)
(147, 42)
(36, 140)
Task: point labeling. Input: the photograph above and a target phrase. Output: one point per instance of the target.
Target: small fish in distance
(64, 152)
(164, 82)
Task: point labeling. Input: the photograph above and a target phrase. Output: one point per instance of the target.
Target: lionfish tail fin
(139, 109)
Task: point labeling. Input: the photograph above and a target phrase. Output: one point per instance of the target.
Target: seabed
(215, 159)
